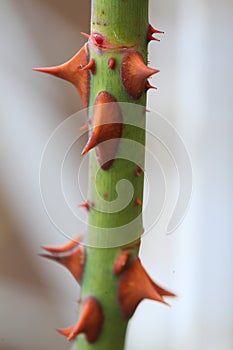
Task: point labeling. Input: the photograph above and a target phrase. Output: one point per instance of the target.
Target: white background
(195, 93)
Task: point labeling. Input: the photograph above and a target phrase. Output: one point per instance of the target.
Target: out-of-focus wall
(195, 94)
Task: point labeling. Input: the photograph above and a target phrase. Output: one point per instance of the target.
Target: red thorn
(150, 37)
(90, 66)
(90, 322)
(105, 194)
(87, 205)
(138, 170)
(73, 260)
(134, 73)
(72, 72)
(121, 262)
(65, 247)
(138, 201)
(149, 86)
(134, 286)
(111, 63)
(85, 35)
(107, 125)
(152, 31)
(66, 331)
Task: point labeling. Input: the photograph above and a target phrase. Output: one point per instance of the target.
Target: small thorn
(90, 66)
(105, 194)
(154, 31)
(111, 63)
(64, 247)
(85, 35)
(146, 110)
(87, 205)
(66, 331)
(138, 170)
(138, 201)
(149, 86)
(150, 37)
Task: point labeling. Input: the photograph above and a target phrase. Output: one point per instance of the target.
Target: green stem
(123, 24)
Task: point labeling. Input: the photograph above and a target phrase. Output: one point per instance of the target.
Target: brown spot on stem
(111, 63)
(121, 262)
(72, 72)
(134, 74)
(90, 322)
(135, 285)
(73, 260)
(138, 201)
(107, 126)
(138, 170)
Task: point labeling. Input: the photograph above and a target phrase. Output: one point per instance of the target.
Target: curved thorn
(90, 66)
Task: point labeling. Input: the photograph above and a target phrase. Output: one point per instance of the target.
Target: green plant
(110, 70)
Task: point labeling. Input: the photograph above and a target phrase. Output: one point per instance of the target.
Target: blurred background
(195, 94)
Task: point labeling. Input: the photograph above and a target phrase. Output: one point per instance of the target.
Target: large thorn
(90, 322)
(73, 72)
(73, 260)
(134, 74)
(107, 126)
(135, 285)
